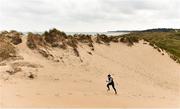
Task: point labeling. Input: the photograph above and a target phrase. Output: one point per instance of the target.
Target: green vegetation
(130, 39)
(168, 41)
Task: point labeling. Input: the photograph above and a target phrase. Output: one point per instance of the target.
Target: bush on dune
(54, 35)
(83, 38)
(35, 40)
(7, 50)
(12, 36)
(87, 39)
(102, 38)
(115, 39)
(52, 38)
(72, 42)
(130, 40)
(56, 38)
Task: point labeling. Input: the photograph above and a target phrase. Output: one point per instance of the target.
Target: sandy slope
(143, 78)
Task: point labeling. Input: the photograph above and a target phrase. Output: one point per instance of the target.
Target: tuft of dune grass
(7, 50)
(12, 36)
(35, 40)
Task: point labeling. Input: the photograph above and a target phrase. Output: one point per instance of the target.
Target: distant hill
(150, 30)
(161, 30)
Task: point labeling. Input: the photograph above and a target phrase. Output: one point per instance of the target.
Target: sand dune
(143, 77)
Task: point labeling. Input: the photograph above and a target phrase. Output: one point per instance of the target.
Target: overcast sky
(88, 15)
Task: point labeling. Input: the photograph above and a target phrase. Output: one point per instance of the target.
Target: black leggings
(112, 86)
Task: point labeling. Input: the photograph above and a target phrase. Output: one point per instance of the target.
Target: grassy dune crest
(160, 40)
(168, 41)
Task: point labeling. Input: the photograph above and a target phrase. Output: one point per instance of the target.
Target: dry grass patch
(7, 50)
(13, 37)
(34, 41)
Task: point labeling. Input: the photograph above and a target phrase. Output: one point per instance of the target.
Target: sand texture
(143, 77)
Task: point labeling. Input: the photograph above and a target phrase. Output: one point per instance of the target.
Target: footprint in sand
(85, 94)
(151, 96)
(38, 94)
(136, 95)
(69, 93)
(75, 81)
(57, 95)
(18, 95)
(162, 97)
(56, 79)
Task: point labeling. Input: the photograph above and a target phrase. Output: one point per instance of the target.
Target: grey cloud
(27, 7)
(97, 15)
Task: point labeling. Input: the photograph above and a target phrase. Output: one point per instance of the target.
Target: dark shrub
(103, 38)
(115, 39)
(7, 50)
(123, 39)
(12, 36)
(54, 35)
(72, 42)
(129, 40)
(35, 40)
(83, 38)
